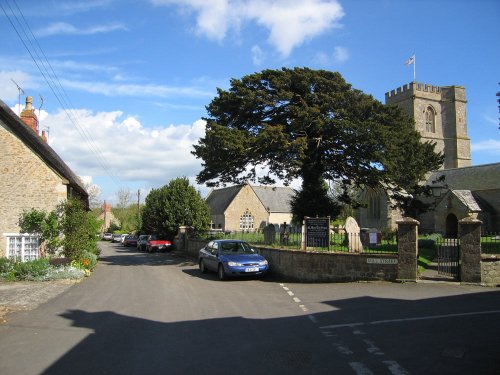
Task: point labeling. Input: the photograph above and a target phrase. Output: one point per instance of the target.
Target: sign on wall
(317, 231)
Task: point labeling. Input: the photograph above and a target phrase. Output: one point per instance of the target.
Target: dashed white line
(313, 319)
(290, 293)
(372, 348)
(395, 368)
(360, 369)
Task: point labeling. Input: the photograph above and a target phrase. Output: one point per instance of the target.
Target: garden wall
(319, 267)
(490, 270)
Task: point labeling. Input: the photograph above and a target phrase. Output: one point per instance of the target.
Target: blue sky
(130, 79)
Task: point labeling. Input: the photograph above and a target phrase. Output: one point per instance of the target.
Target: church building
(460, 189)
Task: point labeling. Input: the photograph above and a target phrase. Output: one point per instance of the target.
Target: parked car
(130, 240)
(231, 258)
(122, 238)
(155, 243)
(142, 242)
(116, 238)
(107, 236)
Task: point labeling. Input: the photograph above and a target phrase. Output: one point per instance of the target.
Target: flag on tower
(410, 60)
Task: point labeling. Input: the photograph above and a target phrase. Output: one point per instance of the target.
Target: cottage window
(430, 120)
(246, 221)
(22, 247)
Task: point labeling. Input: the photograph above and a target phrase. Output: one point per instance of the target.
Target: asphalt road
(157, 314)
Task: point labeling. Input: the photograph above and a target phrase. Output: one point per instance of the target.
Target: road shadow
(445, 335)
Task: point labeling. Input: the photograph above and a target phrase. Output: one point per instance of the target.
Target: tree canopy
(309, 124)
(173, 205)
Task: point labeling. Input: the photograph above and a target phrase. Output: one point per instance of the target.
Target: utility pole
(104, 227)
(139, 207)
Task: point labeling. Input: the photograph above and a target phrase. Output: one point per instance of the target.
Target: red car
(155, 244)
(130, 241)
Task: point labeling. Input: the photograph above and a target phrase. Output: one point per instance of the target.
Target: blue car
(231, 258)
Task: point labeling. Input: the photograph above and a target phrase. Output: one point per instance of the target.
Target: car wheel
(222, 273)
(203, 269)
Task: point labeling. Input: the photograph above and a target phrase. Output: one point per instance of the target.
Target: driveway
(28, 295)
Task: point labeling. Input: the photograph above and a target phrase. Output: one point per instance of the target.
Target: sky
(121, 86)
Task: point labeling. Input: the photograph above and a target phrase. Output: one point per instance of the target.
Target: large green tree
(173, 205)
(309, 124)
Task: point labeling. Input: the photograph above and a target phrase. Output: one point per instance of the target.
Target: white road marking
(395, 368)
(372, 348)
(290, 293)
(297, 300)
(358, 332)
(429, 317)
(313, 319)
(342, 349)
(360, 369)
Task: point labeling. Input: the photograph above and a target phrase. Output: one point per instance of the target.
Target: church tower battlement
(440, 117)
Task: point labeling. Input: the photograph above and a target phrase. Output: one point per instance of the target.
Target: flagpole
(415, 68)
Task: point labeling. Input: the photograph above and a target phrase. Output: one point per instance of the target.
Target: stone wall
(305, 266)
(26, 182)
(490, 270)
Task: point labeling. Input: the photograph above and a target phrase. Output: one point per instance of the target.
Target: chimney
(28, 115)
(106, 207)
(44, 136)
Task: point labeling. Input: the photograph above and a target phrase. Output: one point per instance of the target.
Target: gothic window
(246, 221)
(373, 205)
(430, 120)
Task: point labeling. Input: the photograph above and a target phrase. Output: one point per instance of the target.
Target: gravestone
(269, 234)
(352, 231)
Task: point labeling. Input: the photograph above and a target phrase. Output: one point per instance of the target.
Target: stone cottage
(32, 176)
(247, 208)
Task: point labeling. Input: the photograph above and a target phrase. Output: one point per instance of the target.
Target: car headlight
(234, 264)
(263, 263)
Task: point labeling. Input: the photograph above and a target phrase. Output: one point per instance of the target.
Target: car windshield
(236, 248)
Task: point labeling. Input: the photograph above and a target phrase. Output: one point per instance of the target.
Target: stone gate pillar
(407, 249)
(469, 233)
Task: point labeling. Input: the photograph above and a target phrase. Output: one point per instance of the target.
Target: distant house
(32, 176)
(248, 208)
(107, 218)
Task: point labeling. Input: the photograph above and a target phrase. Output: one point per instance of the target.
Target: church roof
(274, 199)
(219, 199)
(466, 197)
(474, 178)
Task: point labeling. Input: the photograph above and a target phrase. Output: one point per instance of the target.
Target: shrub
(32, 270)
(6, 265)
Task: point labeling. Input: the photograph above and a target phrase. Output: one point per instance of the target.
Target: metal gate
(449, 258)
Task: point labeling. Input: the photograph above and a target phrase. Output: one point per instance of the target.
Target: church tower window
(430, 120)
(246, 221)
(373, 205)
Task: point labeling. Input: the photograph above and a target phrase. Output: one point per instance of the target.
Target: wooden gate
(449, 258)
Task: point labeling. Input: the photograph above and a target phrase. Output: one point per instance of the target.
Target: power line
(50, 77)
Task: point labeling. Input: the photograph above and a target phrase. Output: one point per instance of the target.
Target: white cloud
(490, 146)
(290, 22)
(122, 147)
(340, 55)
(64, 28)
(258, 55)
(115, 89)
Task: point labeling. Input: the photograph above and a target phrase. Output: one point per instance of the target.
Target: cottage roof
(41, 148)
(474, 178)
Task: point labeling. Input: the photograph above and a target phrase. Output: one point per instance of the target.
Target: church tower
(440, 117)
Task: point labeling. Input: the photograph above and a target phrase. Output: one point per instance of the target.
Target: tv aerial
(20, 90)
